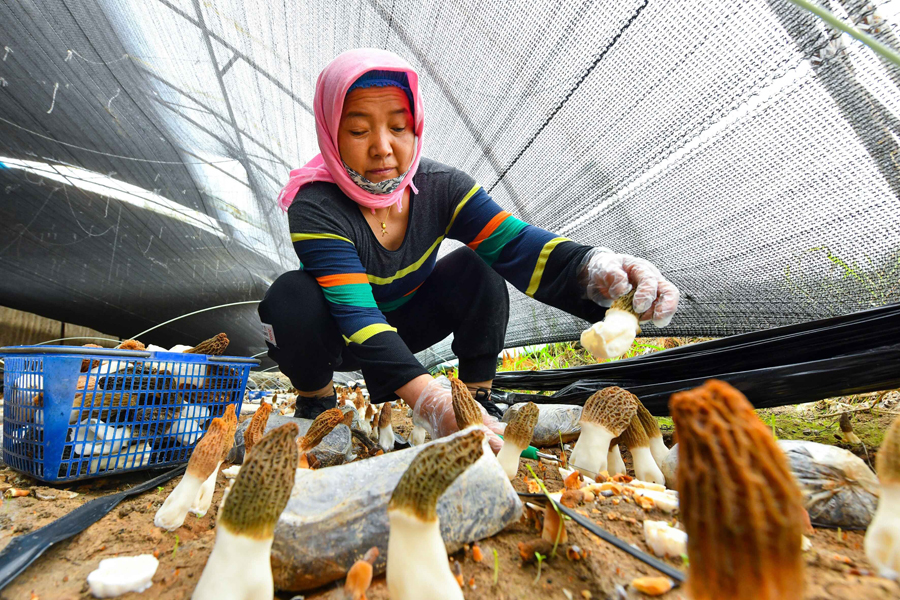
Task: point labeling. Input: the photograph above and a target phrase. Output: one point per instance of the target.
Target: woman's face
(376, 137)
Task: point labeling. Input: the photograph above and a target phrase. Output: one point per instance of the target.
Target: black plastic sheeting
(26, 549)
(852, 354)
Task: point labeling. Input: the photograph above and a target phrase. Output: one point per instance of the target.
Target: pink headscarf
(331, 89)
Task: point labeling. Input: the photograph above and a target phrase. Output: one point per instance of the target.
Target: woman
(367, 216)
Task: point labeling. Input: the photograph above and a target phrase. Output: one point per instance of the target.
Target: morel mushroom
(203, 462)
(615, 464)
(240, 564)
(517, 437)
(606, 415)
(657, 446)
(883, 535)
(417, 564)
(467, 411)
(645, 468)
(214, 346)
(321, 426)
(365, 420)
(204, 497)
(385, 431)
(257, 427)
(847, 430)
(613, 336)
(742, 510)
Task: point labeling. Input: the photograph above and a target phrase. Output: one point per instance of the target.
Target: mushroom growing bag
(336, 514)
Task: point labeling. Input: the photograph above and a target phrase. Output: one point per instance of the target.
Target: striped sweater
(362, 280)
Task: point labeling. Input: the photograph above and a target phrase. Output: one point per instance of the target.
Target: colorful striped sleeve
(538, 263)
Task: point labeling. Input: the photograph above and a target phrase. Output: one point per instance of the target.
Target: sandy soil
(836, 564)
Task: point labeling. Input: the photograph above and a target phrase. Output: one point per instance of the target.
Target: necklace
(383, 224)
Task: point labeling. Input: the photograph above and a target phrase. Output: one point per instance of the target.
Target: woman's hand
(606, 276)
(433, 410)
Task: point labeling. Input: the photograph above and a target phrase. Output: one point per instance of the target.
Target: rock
(553, 420)
(331, 451)
(839, 488)
(336, 514)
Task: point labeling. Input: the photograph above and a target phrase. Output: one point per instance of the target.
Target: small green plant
(160, 489)
(684, 561)
(175, 549)
(540, 558)
(496, 567)
(562, 517)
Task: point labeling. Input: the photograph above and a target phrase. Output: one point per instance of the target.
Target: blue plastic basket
(130, 410)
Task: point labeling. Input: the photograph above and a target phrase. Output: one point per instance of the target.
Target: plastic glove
(434, 412)
(606, 275)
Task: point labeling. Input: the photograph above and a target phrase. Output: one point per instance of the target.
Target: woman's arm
(537, 262)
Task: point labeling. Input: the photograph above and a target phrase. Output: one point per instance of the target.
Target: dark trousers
(462, 296)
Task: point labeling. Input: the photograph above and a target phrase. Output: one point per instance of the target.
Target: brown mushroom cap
(321, 426)
(465, 408)
(846, 426)
(214, 346)
(520, 429)
(257, 426)
(740, 505)
(384, 419)
(131, 345)
(231, 424)
(626, 302)
(634, 435)
(888, 460)
(208, 450)
(647, 420)
(432, 471)
(263, 486)
(611, 407)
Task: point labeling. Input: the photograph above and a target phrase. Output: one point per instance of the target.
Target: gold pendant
(383, 229)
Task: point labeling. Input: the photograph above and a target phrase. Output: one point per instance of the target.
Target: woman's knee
(465, 266)
(296, 318)
(294, 300)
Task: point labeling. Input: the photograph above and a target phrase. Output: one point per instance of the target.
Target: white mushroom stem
(120, 575)
(239, 567)
(659, 450)
(611, 337)
(882, 542)
(615, 463)
(429, 576)
(645, 468)
(171, 514)
(417, 437)
(664, 540)
(509, 457)
(365, 427)
(201, 503)
(386, 438)
(591, 450)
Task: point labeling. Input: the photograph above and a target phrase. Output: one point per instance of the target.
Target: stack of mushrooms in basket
(289, 522)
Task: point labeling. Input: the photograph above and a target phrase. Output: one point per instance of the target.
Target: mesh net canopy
(744, 147)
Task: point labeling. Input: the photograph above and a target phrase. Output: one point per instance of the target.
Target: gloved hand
(606, 275)
(434, 412)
